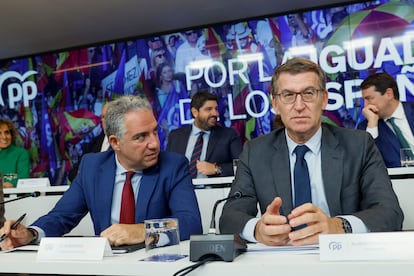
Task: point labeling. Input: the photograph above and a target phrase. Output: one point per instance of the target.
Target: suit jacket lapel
(409, 113)
(146, 188)
(106, 181)
(332, 170)
(281, 172)
(388, 135)
(182, 144)
(212, 141)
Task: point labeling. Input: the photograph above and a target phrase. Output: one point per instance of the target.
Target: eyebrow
(144, 133)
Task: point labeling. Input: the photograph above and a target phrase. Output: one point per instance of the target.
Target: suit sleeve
(236, 213)
(67, 213)
(234, 149)
(183, 201)
(380, 210)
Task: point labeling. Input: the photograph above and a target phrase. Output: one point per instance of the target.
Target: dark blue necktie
(198, 147)
(301, 177)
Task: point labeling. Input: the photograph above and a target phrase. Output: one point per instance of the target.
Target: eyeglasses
(190, 33)
(160, 56)
(289, 97)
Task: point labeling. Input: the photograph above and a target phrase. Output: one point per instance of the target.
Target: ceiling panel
(29, 27)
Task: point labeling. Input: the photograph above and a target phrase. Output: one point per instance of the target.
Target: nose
(153, 141)
(299, 103)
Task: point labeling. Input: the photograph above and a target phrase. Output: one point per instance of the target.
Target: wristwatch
(346, 225)
(35, 235)
(217, 169)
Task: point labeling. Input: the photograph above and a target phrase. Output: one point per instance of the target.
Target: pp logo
(335, 246)
(18, 89)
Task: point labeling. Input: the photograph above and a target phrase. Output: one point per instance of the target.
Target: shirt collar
(121, 170)
(398, 112)
(195, 131)
(314, 143)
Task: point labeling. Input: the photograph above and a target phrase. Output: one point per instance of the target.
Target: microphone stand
(34, 194)
(220, 247)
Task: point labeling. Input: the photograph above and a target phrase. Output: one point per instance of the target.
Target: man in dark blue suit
(161, 184)
(382, 104)
(221, 144)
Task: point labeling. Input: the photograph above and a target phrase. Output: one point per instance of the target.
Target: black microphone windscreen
(36, 194)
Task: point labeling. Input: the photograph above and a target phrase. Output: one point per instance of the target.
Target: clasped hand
(274, 229)
(15, 237)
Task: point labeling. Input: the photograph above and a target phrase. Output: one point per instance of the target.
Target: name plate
(367, 246)
(33, 182)
(68, 248)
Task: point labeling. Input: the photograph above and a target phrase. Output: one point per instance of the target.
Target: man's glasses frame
(308, 95)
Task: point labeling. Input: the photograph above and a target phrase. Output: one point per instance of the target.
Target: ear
(274, 104)
(389, 93)
(325, 99)
(194, 112)
(114, 141)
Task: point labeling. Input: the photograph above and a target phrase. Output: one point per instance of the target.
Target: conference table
(250, 263)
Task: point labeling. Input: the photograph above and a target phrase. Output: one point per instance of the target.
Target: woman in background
(13, 159)
(2, 219)
(166, 102)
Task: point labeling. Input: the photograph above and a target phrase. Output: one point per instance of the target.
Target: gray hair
(296, 66)
(117, 109)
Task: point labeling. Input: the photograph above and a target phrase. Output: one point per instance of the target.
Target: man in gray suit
(350, 190)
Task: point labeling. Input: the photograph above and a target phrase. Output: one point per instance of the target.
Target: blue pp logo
(335, 246)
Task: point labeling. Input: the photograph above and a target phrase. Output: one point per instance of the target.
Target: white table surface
(250, 263)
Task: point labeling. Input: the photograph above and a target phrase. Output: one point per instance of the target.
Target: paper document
(29, 247)
(303, 249)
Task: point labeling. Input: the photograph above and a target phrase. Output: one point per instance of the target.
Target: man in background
(120, 188)
(308, 178)
(97, 144)
(218, 145)
(390, 122)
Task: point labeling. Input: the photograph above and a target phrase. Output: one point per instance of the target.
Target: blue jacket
(387, 142)
(166, 190)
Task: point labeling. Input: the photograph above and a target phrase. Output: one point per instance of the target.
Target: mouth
(152, 155)
(300, 118)
(212, 119)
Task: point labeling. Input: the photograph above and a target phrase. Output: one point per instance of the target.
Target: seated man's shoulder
(179, 131)
(98, 157)
(224, 130)
(347, 134)
(171, 157)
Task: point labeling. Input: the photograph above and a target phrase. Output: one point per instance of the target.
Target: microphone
(34, 194)
(212, 229)
(220, 247)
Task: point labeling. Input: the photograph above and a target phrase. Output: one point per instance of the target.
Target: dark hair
(12, 129)
(381, 81)
(296, 66)
(201, 97)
